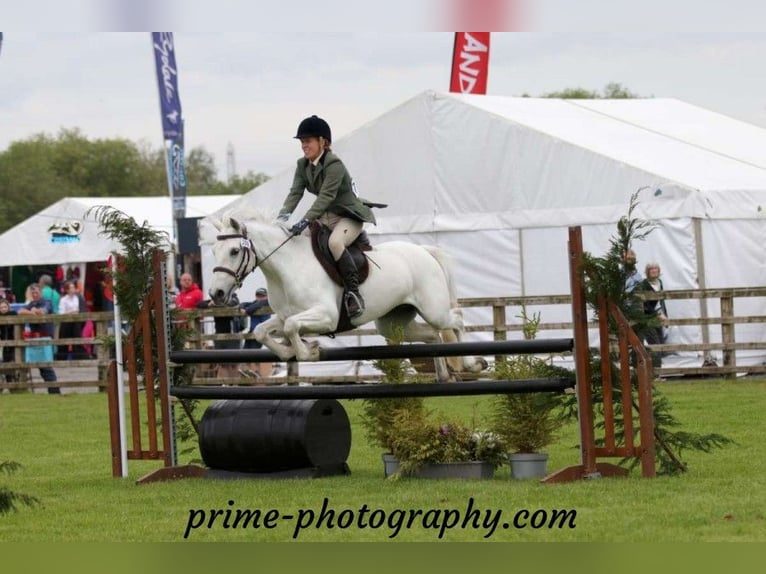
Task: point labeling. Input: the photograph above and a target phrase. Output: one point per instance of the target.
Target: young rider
(337, 206)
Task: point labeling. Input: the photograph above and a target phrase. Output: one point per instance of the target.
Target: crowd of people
(44, 297)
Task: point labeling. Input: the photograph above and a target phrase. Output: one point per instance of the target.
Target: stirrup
(354, 304)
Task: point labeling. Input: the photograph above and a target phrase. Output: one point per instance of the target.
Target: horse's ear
(237, 226)
(217, 223)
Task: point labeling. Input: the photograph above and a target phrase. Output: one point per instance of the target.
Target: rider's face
(311, 148)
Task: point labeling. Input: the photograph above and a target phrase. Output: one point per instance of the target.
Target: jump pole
(374, 390)
(377, 352)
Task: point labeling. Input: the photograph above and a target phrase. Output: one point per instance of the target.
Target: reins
(242, 269)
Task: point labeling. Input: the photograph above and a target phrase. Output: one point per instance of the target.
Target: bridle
(248, 251)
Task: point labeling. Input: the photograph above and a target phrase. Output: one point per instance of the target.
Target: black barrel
(262, 436)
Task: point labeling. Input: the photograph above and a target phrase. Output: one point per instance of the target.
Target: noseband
(248, 251)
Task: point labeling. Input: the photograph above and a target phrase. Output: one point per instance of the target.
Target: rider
(337, 205)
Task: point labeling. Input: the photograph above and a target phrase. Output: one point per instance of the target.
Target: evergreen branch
(8, 498)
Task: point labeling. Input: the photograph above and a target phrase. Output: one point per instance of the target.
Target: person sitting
(337, 205)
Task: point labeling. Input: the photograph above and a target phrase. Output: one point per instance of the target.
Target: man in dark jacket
(258, 311)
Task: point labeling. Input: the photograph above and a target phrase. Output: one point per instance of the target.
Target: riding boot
(350, 275)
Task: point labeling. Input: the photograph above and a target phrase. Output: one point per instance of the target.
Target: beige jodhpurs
(344, 232)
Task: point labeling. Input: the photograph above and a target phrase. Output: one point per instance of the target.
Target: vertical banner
(167, 82)
(470, 63)
(172, 118)
(178, 174)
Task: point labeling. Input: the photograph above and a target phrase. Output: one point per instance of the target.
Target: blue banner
(167, 82)
(178, 174)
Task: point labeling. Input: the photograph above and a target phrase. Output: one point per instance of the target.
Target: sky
(247, 90)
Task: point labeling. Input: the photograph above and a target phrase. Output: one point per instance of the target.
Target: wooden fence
(714, 358)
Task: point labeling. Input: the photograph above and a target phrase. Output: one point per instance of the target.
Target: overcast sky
(250, 89)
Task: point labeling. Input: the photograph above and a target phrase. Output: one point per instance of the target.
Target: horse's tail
(445, 263)
(455, 334)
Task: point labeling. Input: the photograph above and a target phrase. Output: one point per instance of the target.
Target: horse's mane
(250, 213)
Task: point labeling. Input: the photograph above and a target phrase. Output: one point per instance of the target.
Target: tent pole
(701, 284)
(521, 262)
(120, 374)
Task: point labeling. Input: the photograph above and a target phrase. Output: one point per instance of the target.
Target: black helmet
(314, 127)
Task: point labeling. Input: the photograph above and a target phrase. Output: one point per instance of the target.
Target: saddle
(320, 235)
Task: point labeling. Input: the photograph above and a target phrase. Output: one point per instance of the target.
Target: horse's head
(235, 258)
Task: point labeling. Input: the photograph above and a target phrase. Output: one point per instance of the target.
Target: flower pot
(529, 465)
(390, 464)
(468, 469)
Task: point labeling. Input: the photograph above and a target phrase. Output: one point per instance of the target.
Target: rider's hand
(283, 217)
(298, 228)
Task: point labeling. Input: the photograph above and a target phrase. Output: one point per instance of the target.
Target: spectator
(190, 295)
(225, 326)
(171, 292)
(40, 306)
(258, 311)
(48, 292)
(71, 303)
(7, 334)
(6, 293)
(632, 276)
(654, 334)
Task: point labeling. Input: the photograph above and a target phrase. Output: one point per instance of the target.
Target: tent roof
(459, 162)
(31, 242)
(676, 140)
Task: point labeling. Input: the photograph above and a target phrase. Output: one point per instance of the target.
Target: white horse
(404, 280)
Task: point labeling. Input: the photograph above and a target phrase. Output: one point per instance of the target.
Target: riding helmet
(314, 127)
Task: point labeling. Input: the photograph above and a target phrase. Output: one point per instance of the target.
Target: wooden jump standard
(154, 313)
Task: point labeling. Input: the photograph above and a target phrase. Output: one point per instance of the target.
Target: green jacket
(331, 183)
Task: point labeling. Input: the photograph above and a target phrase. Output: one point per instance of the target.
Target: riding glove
(298, 228)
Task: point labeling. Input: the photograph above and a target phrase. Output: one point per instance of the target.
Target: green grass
(63, 444)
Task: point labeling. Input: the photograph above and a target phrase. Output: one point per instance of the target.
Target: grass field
(63, 444)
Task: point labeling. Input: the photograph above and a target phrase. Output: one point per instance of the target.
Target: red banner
(470, 63)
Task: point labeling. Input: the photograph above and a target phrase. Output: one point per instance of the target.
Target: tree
(43, 169)
(240, 184)
(612, 90)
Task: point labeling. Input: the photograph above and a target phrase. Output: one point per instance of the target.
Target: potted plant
(526, 422)
(416, 445)
(429, 449)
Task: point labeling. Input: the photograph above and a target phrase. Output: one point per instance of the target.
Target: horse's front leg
(264, 333)
(314, 321)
